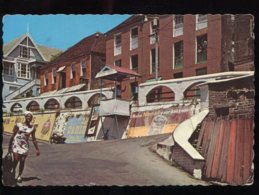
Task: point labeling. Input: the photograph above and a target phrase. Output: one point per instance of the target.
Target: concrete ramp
(184, 154)
(184, 131)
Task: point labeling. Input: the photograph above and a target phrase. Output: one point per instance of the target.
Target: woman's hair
(28, 112)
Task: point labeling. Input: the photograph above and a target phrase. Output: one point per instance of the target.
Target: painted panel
(157, 121)
(43, 122)
(73, 125)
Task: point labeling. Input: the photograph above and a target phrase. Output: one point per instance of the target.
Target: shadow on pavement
(24, 179)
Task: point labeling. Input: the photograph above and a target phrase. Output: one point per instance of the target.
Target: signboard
(43, 122)
(93, 122)
(74, 126)
(157, 121)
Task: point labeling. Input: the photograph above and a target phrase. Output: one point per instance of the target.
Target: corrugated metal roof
(227, 79)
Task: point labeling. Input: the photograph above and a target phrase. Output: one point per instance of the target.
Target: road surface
(111, 162)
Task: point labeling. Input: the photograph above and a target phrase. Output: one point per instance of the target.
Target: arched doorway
(160, 94)
(192, 91)
(16, 108)
(51, 104)
(73, 103)
(94, 100)
(33, 106)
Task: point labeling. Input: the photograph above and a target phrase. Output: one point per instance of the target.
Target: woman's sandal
(19, 179)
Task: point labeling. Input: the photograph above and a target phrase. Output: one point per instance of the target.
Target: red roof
(116, 73)
(123, 70)
(93, 43)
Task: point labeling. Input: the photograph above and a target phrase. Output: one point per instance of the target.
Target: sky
(58, 31)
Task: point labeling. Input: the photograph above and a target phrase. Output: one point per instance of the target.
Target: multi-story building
(22, 59)
(77, 66)
(180, 46)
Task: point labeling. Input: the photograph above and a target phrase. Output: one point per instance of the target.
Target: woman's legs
(21, 166)
(19, 158)
(16, 158)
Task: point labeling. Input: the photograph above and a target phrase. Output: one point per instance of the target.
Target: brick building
(77, 66)
(188, 45)
(226, 136)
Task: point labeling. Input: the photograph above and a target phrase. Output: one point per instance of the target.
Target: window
(201, 71)
(178, 25)
(117, 63)
(46, 81)
(178, 54)
(73, 71)
(24, 52)
(201, 21)
(117, 44)
(201, 49)
(83, 69)
(178, 75)
(54, 72)
(134, 38)
(8, 69)
(134, 62)
(153, 61)
(153, 29)
(23, 71)
(134, 91)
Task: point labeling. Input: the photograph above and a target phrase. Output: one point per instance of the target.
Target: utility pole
(156, 65)
(155, 34)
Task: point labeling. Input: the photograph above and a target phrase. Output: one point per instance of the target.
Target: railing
(22, 89)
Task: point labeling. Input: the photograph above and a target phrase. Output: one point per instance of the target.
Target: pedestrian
(19, 142)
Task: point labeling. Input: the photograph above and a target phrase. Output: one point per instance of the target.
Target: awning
(115, 73)
(75, 88)
(61, 68)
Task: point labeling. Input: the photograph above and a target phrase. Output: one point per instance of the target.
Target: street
(112, 162)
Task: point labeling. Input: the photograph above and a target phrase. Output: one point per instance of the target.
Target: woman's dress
(20, 143)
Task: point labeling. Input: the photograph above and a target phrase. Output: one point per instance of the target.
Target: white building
(22, 59)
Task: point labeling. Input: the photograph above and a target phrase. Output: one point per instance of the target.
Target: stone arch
(94, 99)
(192, 91)
(52, 104)
(73, 102)
(161, 93)
(33, 106)
(16, 107)
(4, 108)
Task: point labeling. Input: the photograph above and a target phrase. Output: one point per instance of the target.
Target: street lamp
(155, 34)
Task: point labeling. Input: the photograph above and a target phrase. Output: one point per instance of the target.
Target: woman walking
(19, 142)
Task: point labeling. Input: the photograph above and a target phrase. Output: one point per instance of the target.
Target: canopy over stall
(114, 107)
(115, 73)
